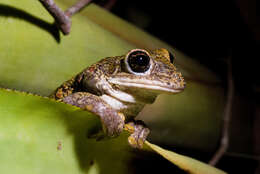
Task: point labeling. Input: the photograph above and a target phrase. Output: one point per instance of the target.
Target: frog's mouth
(154, 85)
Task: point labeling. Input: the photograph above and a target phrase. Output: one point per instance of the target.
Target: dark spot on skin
(91, 162)
(59, 147)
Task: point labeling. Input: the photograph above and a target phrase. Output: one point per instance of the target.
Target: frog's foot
(112, 120)
(139, 133)
(113, 123)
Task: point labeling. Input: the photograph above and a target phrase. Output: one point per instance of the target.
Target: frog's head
(148, 73)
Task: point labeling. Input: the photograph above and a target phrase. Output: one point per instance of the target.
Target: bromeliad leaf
(188, 164)
(40, 135)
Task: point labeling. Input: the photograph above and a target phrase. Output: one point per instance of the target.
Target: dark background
(210, 32)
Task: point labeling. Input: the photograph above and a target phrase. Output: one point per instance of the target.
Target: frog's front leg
(139, 133)
(112, 120)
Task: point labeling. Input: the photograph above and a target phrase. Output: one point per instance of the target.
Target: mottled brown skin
(114, 92)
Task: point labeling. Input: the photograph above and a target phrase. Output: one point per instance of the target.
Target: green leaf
(38, 135)
(36, 57)
(188, 164)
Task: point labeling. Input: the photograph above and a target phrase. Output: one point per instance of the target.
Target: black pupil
(171, 57)
(139, 61)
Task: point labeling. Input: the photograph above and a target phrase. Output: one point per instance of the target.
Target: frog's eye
(138, 61)
(172, 57)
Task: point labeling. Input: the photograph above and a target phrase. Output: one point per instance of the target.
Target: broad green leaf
(38, 135)
(36, 57)
(46, 58)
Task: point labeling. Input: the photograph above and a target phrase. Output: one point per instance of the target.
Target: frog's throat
(147, 84)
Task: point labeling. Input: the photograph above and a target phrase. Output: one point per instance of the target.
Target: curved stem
(62, 19)
(226, 118)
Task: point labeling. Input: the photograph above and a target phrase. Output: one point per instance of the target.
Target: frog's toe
(139, 135)
(142, 137)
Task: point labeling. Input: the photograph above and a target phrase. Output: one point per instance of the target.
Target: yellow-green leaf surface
(35, 57)
(39, 135)
(45, 57)
(188, 164)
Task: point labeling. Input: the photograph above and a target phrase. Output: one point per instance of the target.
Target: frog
(117, 88)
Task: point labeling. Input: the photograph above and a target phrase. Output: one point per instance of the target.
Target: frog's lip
(146, 85)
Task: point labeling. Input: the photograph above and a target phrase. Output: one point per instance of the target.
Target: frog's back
(104, 67)
(64, 90)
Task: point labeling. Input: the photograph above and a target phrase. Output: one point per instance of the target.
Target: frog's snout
(177, 82)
